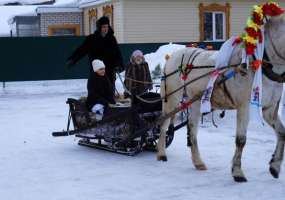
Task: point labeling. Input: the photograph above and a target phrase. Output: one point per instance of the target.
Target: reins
(181, 87)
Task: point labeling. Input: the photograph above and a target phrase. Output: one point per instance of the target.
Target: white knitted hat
(97, 64)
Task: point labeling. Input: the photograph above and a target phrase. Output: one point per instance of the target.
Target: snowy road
(34, 165)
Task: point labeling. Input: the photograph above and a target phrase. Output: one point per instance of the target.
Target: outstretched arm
(80, 52)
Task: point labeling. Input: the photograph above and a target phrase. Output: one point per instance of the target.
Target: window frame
(215, 8)
(108, 11)
(52, 28)
(93, 16)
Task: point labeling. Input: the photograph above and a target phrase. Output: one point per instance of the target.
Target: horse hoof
(201, 167)
(274, 172)
(162, 158)
(240, 179)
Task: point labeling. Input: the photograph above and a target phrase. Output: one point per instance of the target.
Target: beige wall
(142, 21)
(240, 10)
(176, 21)
(118, 10)
(160, 21)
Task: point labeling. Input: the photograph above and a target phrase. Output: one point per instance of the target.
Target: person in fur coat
(137, 77)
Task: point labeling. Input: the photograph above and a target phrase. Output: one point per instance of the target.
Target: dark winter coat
(138, 79)
(102, 48)
(100, 91)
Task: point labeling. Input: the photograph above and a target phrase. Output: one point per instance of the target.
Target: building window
(108, 12)
(92, 13)
(64, 30)
(214, 22)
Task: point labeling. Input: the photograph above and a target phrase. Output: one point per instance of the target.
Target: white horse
(238, 97)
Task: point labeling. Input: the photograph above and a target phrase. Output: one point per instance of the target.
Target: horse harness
(191, 67)
(266, 66)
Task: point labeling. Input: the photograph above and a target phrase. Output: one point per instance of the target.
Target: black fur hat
(102, 21)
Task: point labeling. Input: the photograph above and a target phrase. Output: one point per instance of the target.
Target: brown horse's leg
(271, 117)
(242, 123)
(193, 130)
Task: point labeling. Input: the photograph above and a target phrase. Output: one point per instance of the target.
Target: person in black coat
(100, 88)
(101, 45)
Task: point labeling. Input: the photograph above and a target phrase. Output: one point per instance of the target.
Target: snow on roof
(8, 12)
(23, 2)
(11, 18)
(66, 3)
(28, 2)
(87, 3)
(60, 6)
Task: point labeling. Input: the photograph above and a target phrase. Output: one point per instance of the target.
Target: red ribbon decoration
(184, 77)
(189, 66)
(185, 105)
(256, 64)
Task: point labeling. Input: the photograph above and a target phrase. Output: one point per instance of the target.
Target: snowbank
(158, 57)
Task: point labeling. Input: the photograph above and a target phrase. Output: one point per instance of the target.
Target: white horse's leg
(242, 123)
(193, 130)
(271, 117)
(161, 154)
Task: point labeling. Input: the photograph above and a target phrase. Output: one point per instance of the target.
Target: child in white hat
(100, 91)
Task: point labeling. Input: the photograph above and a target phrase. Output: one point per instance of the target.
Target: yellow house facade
(154, 21)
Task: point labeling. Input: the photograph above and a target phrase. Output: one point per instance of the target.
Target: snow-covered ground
(34, 165)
